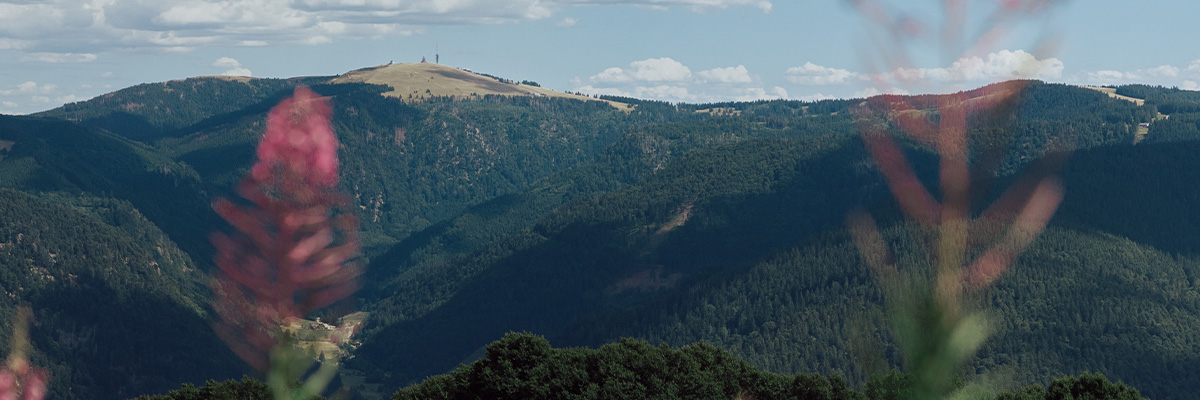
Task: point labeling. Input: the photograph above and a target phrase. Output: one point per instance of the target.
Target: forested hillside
(151, 111)
(118, 307)
(585, 223)
(46, 155)
(524, 366)
(521, 366)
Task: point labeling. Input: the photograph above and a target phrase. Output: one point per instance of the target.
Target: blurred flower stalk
(936, 327)
(291, 249)
(18, 379)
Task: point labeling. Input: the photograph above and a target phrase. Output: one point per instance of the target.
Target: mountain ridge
(408, 79)
(554, 215)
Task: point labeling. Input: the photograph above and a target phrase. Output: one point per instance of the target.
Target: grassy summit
(418, 81)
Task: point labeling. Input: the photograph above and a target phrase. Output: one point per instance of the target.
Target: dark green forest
(115, 300)
(524, 366)
(607, 231)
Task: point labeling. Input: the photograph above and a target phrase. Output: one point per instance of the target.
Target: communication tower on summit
(435, 54)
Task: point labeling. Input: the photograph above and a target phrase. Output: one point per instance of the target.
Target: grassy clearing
(5, 146)
(1112, 92)
(1140, 134)
(720, 111)
(332, 342)
(242, 79)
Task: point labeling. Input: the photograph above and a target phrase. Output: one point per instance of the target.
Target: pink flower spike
(916, 202)
(1029, 223)
(288, 253)
(299, 139)
(34, 385)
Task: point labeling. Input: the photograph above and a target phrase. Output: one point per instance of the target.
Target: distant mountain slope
(707, 217)
(151, 111)
(576, 220)
(119, 310)
(447, 243)
(737, 272)
(1141, 192)
(712, 210)
(639, 155)
(47, 155)
(1074, 302)
(434, 157)
(412, 164)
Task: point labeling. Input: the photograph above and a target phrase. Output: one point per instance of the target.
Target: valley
(488, 206)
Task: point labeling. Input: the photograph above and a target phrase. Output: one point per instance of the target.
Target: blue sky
(58, 51)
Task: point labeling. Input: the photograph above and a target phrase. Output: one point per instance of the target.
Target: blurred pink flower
(18, 379)
(299, 140)
(27, 385)
(1015, 219)
(290, 250)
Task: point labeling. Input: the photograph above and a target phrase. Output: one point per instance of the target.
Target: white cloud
(874, 91)
(29, 87)
(234, 66)
(963, 73)
(669, 80)
(610, 91)
(107, 74)
(197, 14)
(662, 69)
(9, 104)
(237, 72)
(1001, 65)
(816, 97)
(172, 39)
(1105, 76)
(435, 11)
(566, 22)
(316, 40)
(97, 26)
(29, 19)
(13, 44)
(1164, 71)
(813, 74)
(659, 70)
(70, 98)
(737, 74)
(757, 93)
(1167, 75)
(611, 75)
(58, 58)
(1007, 65)
(1189, 85)
(662, 92)
(40, 99)
(697, 5)
(226, 62)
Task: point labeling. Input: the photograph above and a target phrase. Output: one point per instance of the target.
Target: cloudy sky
(59, 51)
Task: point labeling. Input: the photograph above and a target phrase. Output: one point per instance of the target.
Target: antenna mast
(436, 57)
